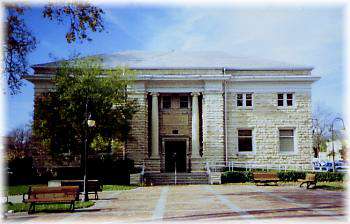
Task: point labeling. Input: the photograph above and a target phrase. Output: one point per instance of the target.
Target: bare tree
(321, 122)
(19, 143)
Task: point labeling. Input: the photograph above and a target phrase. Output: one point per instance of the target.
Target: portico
(175, 130)
(186, 111)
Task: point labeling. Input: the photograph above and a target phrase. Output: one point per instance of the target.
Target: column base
(152, 164)
(197, 164)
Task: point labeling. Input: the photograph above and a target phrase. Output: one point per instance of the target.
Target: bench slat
(41, 195)
(265, 177)
(64, 199)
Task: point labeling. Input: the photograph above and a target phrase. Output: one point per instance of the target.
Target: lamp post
(88, 124)
(175, 167)
(332, 129)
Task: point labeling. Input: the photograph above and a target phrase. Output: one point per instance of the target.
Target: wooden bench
(93, 186)
(265, 178)
(51, 195)
(310, 179)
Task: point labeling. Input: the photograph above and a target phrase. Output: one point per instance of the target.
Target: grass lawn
(117, 187)
(23, 207)
(21, 189)
(332, 186)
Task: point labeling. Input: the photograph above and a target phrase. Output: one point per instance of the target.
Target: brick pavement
(204, 203)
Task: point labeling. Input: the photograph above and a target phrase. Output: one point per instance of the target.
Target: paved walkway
(231, 203)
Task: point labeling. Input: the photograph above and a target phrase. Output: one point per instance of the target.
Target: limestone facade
(264, 118)
(207, 130)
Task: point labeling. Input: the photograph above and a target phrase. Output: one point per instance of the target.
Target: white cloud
(298, 35)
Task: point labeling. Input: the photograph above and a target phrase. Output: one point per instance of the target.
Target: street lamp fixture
(332, 130)
(91, 123)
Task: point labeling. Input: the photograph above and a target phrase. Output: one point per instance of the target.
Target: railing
(207, 167)
(142, 173)
(248, 166)
(267, 167)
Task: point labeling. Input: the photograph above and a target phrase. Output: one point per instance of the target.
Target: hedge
(247, 176)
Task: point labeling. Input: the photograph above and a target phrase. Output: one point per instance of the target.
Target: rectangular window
(285, 99)
(166, 102)
(183, 101)
(287, 140)
(289, 99)
(280, 99)
(244, 99)
(245, 141)
(239, 100)
(248, 100)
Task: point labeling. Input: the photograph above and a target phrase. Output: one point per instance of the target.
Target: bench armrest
(23, 197)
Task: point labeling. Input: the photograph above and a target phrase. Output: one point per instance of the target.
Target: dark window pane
(248, 96)
(290, 96)
(248, 103)
(244, 133)
(183, 101)
(166, 102)
(280, 96)
(245, 144)
(286, 133)
(239, 103)
(280, 103)
(289, 102)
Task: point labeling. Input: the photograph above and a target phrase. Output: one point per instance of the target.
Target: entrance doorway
(175, 151)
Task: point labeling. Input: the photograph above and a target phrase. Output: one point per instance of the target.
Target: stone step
(181, 178)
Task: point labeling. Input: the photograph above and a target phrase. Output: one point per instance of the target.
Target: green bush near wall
(247, 176)
(330, 176)
(236, 176)
(291, 175)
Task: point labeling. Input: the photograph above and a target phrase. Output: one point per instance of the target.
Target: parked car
(316, 166)
(341, 166)
(327, 166)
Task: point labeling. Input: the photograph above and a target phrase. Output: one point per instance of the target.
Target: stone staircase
(181, 178)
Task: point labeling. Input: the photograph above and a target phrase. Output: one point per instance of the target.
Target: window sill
(244, 108)
(286, 108)
(245, 153)
(288, 153)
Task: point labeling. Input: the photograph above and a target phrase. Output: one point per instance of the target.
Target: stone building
(199, 107)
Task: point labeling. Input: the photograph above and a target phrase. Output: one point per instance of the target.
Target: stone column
(155, 127)
(195, 126)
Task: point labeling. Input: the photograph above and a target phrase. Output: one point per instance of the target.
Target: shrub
(246, 176)
(236, 177)
(110, 170)
(22, 171)
(330, 176)
(291, 175)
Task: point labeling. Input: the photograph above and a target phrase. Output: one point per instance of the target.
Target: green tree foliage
(60, 116)
(20, 41)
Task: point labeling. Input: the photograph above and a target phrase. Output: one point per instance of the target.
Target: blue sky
(303, 35)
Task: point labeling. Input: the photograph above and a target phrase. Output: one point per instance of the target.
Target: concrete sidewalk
(189, 203)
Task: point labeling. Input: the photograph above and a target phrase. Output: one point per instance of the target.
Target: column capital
(195, 93)
(154, 94)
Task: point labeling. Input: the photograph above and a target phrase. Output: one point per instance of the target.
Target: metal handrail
(251, 165)
(142, 172)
